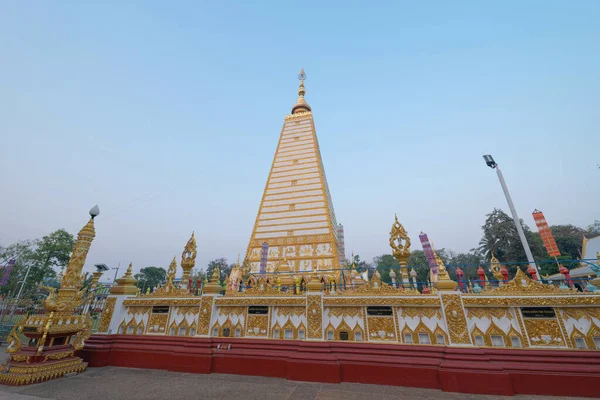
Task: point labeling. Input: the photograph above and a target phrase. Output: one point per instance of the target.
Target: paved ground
(112, 383)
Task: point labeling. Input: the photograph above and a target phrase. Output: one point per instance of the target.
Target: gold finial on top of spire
(301, 105)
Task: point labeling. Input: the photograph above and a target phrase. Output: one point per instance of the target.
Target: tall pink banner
(428, 250)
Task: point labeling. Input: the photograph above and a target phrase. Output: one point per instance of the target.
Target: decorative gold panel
(570, 300)
(107, 312)
(345, 311)
(287, 311)
(544, 332)
(158, 323)
(257, 325)
(428, 312)
(381, 328)
(489, 312)
(314, 316)
(455, 319)
(206, 307)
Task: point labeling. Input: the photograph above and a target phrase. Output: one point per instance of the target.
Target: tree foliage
(150, 277)
(40, 256)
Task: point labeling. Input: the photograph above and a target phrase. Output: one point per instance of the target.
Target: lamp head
(489, 161)
(101, 267)
(94, 211)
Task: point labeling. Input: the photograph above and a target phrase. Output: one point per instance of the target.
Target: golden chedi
(54, 337)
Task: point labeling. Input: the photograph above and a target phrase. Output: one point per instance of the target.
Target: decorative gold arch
(422, 328)
(439, 331)
(277, 328)
(578, 334)
(477, 332)
(404, 332)
(496, 331)
(514, 333)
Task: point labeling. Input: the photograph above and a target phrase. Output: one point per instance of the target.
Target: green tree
(383, 263)
(501, 238)
(593, 229)
(52, 251)
(40, 257)
(22, 252)
(150, 277)
(569, 239)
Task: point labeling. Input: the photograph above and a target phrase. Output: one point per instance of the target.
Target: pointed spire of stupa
(301, 105)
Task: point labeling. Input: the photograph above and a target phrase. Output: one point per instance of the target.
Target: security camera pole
(489, 160)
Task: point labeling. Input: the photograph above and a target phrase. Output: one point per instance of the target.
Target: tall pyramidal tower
(296, 222)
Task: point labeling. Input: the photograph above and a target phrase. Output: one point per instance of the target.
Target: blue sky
(167, 114)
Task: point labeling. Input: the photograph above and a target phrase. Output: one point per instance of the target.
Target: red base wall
(465, 370)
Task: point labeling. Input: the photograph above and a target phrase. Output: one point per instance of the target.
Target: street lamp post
(489, 160)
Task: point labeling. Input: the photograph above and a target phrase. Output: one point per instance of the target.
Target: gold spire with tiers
(296, 219)
(55, 336)
(125, 284)
(301, 105)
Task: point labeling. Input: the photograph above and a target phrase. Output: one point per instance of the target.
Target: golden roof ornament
(301, 105)
(125, 284)
(496, 269)
(444, 282)
(399, 242)
(188, 259)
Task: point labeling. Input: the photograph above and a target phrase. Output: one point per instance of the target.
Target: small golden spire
(301, 105)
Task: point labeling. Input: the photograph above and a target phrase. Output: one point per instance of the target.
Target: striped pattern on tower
(296, 216)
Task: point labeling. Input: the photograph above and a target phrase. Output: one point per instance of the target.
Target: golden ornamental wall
(542, 322)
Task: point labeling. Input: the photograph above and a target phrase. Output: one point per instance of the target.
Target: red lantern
(481, 274)
(459, 275)
(565, 271)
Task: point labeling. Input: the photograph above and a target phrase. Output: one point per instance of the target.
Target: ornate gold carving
(228, 311)
(14, 338)
(522, 285)
(83, 334)
(163, 302)
(345, 311)
(563, 328)
(59, 356)
(33, 373)
(381, 328)
(256, 301)
(428, 312)
(521, 327)
(580, 300)
(298, 115)
(544, 332)
(157, 323)
(489, 312)
(258, 325)
(205, 315)
(139, 309)
(382, 301)
(314, 316)
(455, 319)
(581, 313)
(287, 311)
(188, 259)
(399, 242)
(107, 312)
(20, 357)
